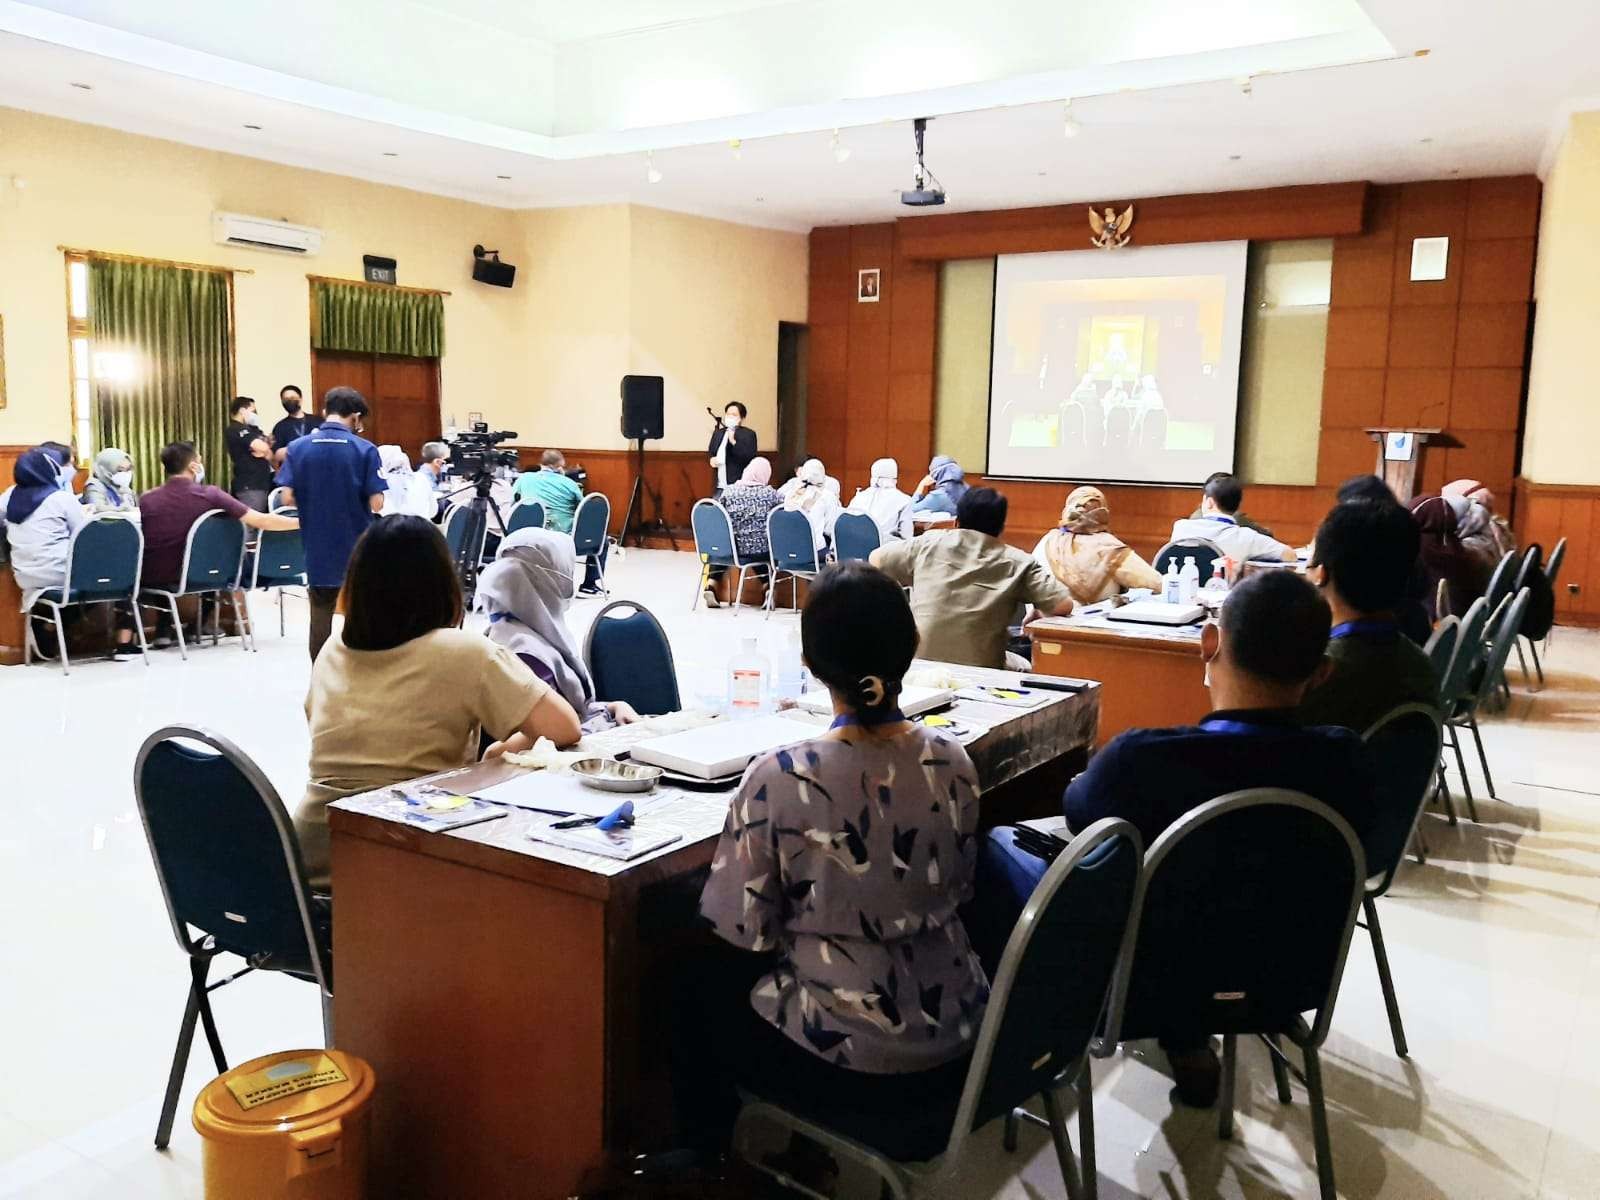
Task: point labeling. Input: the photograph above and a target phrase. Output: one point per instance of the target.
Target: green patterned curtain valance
(373, 319)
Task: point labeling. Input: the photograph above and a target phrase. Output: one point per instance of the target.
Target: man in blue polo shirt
(1261, 657)
(332, 477)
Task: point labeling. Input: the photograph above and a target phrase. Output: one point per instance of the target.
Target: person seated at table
(1364, 556)
(552, 487)
(1238, 516)
(884, 502)
(427, 482)
(402, 691)
(841, 866)
(966, 584)
(110, 486)
(1448, 569)
(525, 592)
(1091, 561)
(813, 497)
(394, 468)
(1218, 523)
(748, 501)
(941, 488)
(1260, 657)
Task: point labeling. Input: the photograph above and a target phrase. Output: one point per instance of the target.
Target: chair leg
(281, 626)
(1443, 794)
(1009, 1138)
(327, 1021)
(198, 968)
(1522, 660)
(138, 632)
(1230, 1056)
(1488, 779)
(1461, 766)
(1280, 1070)
(1319, 1125)
(61, 638)
(1083, 1085)
(1064, 1155)
(1385, 979)
(180, 1061)
(738, 588)
(1533, 649)
(700, 585)
(177, 627)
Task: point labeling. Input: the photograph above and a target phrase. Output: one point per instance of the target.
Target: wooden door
(403, 394)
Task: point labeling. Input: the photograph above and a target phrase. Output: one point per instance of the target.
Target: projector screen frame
(1238, 381)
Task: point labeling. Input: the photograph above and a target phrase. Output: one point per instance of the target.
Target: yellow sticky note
(447, 803)
(937, 721)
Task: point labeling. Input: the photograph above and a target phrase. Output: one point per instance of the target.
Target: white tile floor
(1495, 945)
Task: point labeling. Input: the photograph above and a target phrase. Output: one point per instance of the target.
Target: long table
(511, 994)
(1149, 675)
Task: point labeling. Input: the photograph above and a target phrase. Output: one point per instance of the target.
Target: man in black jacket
(733, 446)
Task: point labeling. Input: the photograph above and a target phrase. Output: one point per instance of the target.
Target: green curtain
(173, 385)
(374, 319)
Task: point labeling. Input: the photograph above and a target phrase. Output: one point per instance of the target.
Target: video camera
(473, 454)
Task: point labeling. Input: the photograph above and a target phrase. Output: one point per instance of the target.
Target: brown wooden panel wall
(1548, 512)
(681, 477)
(1452, 353)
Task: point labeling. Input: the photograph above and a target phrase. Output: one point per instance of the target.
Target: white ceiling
(1338, 93)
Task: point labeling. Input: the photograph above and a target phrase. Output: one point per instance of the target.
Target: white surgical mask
(199, 474)
(122, 478)
(65, 476)
(252, 419)
(731, 420)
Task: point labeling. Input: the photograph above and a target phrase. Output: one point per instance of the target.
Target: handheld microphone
(712, 414)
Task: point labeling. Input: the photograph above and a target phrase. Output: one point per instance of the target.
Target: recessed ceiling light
(1042, 174)
(761, 199)
(1425, 141)
(1235, 157)
(84, 87)
(391, 154)
(502, 177)
(255, 127)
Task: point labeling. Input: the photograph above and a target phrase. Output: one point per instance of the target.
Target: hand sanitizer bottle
(1219, 576)
(748, 672)
(791, 680)
(1170, 583)
(1188, 581)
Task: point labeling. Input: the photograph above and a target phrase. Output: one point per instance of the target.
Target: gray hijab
(525, 592)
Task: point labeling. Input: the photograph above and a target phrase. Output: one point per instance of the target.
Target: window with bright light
(78, 339)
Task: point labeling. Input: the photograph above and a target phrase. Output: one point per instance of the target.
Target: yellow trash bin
(290, 1126)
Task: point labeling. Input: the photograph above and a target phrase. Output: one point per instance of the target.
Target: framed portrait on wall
(867, 285)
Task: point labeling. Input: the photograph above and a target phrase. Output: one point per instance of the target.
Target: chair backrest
(1454, 683)
(1204, 553)
(104, 560)
(214, 555)
(1153, 430)
(528, 514)
(1405, 744)
(1119, 424)
(590, 522)
(1500, 581)
(1441, 647)
(275, 499)
(713, 533)
(630, 659)
(1249, 902)
(855, 536)
(1552, 569)
(1501, 638)
(1541, 613)
(457, 523)
(225, 852)
(1051, 986)
(1074, 422)
(791, 541)
(280, 559)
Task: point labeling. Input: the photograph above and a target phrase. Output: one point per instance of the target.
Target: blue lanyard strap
(1384, 629)
(887, 717)
(1220, 517)
(1227, 726)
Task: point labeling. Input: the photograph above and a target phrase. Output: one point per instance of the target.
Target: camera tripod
(475, 530)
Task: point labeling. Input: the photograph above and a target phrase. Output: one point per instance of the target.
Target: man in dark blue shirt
(332, 477)
(1262, 655)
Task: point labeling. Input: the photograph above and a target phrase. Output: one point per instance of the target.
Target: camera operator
(553, 486)
(428, 481)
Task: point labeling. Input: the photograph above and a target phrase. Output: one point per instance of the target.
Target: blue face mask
(67, 474)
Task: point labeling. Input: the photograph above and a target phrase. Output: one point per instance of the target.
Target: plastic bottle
(1219, 576)
(1188, 581)
(748, 675)
(1170, 583)
(791, 680)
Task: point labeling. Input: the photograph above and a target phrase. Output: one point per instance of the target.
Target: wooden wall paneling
(1422, 336)
(1357, 337)
(1485, 397)
(680, 476)
(1504, 206)
(1545, 513)
(867, 377)
(1492, 335)
(831, 296)
(1417, 396)
(8, 463)
(1426, 210)
(1497, 270)
(1352, 397)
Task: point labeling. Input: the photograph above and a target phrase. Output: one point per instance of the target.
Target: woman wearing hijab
(1087, 557)
(110, 487)
(884, 502)
(394, 468)
(942, 489)
(748, 502)
(526, 592)
(1495, 532)
(816, 499)
(1443, 558)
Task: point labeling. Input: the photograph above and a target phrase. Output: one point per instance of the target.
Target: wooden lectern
(1400, 458)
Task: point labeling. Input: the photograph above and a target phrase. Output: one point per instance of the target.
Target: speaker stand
(642, 490)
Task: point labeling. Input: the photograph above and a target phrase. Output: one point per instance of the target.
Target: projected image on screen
(1119, 365)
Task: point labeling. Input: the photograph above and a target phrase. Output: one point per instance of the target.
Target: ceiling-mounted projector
(923, 196)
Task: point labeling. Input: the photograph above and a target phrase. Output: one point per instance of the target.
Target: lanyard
(1384, 629)
(1227, 726)
(889, 717)
(1219, 517)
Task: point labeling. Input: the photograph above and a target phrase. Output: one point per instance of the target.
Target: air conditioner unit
(262, 233)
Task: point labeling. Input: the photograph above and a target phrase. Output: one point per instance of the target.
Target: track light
(651, 171)
(1069, 123)
(841, 152)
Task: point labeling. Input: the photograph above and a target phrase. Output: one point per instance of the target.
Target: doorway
(792, 338)
(403, 394)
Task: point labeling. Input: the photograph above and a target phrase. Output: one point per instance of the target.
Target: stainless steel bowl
(609, 775)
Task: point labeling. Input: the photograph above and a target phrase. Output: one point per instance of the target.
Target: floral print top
(848, 856)
(748, 506)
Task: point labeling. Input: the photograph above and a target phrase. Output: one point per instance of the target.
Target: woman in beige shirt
(1087, 557)
(402, 691)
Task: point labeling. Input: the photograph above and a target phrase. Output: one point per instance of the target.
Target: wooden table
(1149, 675)
(512, 995)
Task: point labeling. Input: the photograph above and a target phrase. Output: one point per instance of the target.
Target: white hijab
(884, 502)
(525, 592)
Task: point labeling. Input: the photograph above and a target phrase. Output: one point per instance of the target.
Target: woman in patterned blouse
(843, 863)
(748, 502)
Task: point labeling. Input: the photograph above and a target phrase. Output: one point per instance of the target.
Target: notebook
(913, 700)
(723, 747)
(631, 842)
(1157, 612)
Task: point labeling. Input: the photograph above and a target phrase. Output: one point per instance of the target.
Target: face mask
(292, 407)
(731, 421)
(199, 474)
(122, 478)
(252, 419)
(65, 476)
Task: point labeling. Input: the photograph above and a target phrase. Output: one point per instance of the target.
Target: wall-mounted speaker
(642, 408)
(487, 268)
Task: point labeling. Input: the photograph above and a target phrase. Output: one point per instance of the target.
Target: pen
(1065, 685)
(621, 815)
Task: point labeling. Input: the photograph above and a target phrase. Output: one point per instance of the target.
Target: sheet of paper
(561, 792)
